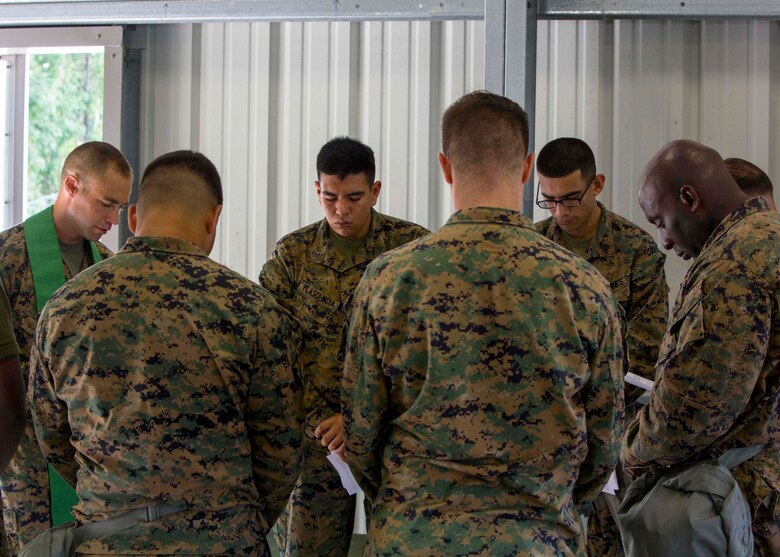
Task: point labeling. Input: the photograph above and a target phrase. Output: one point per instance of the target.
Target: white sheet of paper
(347, 479)
(612, 485)
(638, 381)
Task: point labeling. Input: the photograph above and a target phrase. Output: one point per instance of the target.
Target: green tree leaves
(65, 110)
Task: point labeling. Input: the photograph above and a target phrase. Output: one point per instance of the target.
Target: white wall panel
(260, 99)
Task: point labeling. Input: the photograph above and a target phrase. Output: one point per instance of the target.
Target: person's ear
(132, 217)
(71, 185)
(213, 220)
(446, 168)
(690, 198)
(528, 166)
(598, 183)
(376, 187)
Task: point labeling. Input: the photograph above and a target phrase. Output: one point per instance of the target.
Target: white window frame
(15, 45)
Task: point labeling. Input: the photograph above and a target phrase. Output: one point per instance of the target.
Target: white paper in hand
(612, 485)
(347, 479)
(639, 381)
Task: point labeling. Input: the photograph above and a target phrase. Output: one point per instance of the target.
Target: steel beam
(510, 61)
(659, 9)
(92, 12)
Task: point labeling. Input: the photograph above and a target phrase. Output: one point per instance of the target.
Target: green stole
(43, 249)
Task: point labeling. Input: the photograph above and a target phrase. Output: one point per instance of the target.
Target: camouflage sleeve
(647, 313)
(707, 367)
(274, 413)
(365, 395)
(277, 276)
(604, 406)
(50, 414)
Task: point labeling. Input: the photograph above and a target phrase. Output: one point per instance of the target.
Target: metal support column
(510, 62)
(130, 142)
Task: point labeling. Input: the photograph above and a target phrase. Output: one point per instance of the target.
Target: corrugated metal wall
(260, 99)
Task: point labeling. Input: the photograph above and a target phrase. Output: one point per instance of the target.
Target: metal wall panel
(628, 87)
(260, 99)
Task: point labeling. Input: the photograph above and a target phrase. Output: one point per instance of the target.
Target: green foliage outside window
(66, 109)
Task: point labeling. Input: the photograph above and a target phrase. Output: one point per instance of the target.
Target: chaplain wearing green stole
(36, 258)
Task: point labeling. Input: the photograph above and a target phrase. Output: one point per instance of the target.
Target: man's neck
(61, 224)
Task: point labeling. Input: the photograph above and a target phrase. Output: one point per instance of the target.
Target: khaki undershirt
(75, 257)
(576, 245)
(345, 247)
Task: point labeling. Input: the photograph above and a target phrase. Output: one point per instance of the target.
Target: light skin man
(95, 183)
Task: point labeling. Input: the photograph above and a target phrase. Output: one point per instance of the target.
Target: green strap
(48, 273)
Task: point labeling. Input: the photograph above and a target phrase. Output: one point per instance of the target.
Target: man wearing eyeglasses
(624, 254)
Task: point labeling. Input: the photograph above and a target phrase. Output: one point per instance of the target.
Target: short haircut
(343, 156)
(562, 156)
(94, 159)
(750, 178)
(168, 179)
(482, 128)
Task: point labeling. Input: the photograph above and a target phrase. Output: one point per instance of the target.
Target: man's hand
(331, 434)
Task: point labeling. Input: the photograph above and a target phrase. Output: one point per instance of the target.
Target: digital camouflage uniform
(25, 483)
(718, 380)
(308, 276)
(161, 376)
(630, 260)
(8, 349)
(483, 391)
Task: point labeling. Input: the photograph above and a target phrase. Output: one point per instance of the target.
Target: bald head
(686, 191)
(180, 196)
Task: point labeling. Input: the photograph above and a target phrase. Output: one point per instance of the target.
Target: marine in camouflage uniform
(718, 379)
(626, 256)
(313, 274)
(162, 377)
(483, 397)
(85, 214)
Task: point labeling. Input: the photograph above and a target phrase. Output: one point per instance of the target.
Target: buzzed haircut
(482, 128)
(343, 156)
(750, 178)
(94, 159)
(184, 178)
(562, 156)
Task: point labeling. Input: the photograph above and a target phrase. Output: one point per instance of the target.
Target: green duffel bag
(689, 510)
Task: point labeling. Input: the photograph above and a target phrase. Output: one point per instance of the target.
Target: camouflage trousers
(25, 492)
(318, 519)
(603, 533)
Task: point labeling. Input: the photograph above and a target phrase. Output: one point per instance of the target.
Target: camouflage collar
(156, 243)
(325, 253)
(752, 205)
(603, 244)
(490, 215)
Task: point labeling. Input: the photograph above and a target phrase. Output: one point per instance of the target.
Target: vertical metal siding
(260, 99)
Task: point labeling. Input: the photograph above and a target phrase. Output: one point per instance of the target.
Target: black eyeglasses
(567, 202)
